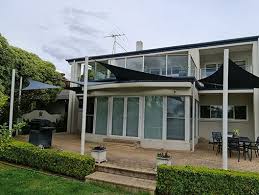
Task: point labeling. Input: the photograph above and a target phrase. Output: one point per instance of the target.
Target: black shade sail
(238, 78)
(36, 85)
(124, 74)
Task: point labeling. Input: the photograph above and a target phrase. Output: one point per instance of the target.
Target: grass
(15, 180)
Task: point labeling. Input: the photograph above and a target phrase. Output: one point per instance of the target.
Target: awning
(124, 74)
(238, 78)
(36, 85)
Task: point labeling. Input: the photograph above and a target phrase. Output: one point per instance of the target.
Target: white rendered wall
(73, 101)
(206, 126)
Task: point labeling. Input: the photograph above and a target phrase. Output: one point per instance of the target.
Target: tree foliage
(27, 65)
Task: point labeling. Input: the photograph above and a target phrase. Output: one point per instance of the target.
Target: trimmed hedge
(199, 180)
(61, 162)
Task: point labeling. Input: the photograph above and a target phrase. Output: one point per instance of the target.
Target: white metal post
(20, 94)
(225, 111)
(193, 115)
(19, 102)
(84, 107)
(11, 101)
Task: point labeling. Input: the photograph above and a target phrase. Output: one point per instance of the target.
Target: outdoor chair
(216, 138)
(234, 145)
(253, 146)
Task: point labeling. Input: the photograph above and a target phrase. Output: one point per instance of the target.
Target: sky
(60, 29)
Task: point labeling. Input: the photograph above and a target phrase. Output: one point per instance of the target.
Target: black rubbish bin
(41, 133)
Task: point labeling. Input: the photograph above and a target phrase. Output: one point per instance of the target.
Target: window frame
(218, 64)
(230, 119)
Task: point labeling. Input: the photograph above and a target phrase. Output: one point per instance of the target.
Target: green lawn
(22, 181)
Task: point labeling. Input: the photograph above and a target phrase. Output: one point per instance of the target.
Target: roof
(172, 48)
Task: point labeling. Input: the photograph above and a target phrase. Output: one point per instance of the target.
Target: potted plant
(163, 158)
(99, 154)
(236, 132)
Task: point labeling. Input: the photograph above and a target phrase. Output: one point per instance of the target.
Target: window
(135, 63)
(153, 123)
(242, 64)
(175, 118)
(215, 112)
(118, 62)
(204, 111)
(155, 64)
(177, 65)
(231, 112)
(240, 112)
(89, 113)
(100, 71)
(101, 115)
(210, 69)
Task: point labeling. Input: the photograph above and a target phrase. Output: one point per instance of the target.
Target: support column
(255, 68)
(164, 132)
(193, 116)
(84, 107)
(189, 64)
(225, 111)
(11, 101)
(187, 119)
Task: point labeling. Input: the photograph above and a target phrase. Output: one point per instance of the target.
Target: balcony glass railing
(166, 65)
(205, 72)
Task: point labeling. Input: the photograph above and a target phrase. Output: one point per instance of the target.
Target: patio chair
(253, 146)
(234, 145)
(216, 138)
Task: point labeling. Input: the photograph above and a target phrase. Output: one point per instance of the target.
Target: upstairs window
(177, 65)
(135, 63)
(155, 64)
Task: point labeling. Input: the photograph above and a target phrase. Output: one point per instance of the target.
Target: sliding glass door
(132, 116)
(153, 123)
(117, 116)
(125, 116)
(175, 118)
(101, 115)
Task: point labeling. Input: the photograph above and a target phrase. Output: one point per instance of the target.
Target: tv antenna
(115, 42)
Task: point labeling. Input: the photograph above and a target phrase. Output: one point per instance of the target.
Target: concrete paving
(127, 155)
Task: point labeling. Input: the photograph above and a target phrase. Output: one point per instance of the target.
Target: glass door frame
(124, 131)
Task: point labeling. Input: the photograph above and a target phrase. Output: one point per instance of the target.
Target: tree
(27, 65)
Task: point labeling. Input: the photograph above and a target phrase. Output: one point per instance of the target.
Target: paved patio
(127, 155)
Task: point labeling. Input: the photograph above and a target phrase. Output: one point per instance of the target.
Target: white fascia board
(227, 45)
(229, 91)
(142, 84)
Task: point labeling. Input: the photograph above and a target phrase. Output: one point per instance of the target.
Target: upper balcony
(212, 59)
(209, 70)
(171, 65)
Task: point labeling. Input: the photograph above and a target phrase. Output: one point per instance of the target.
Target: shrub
(61, 162)
(199, 180)
(6, 134)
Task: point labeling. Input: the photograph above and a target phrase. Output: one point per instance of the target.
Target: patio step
(130, 172)
(131, 184)
(134, 143)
